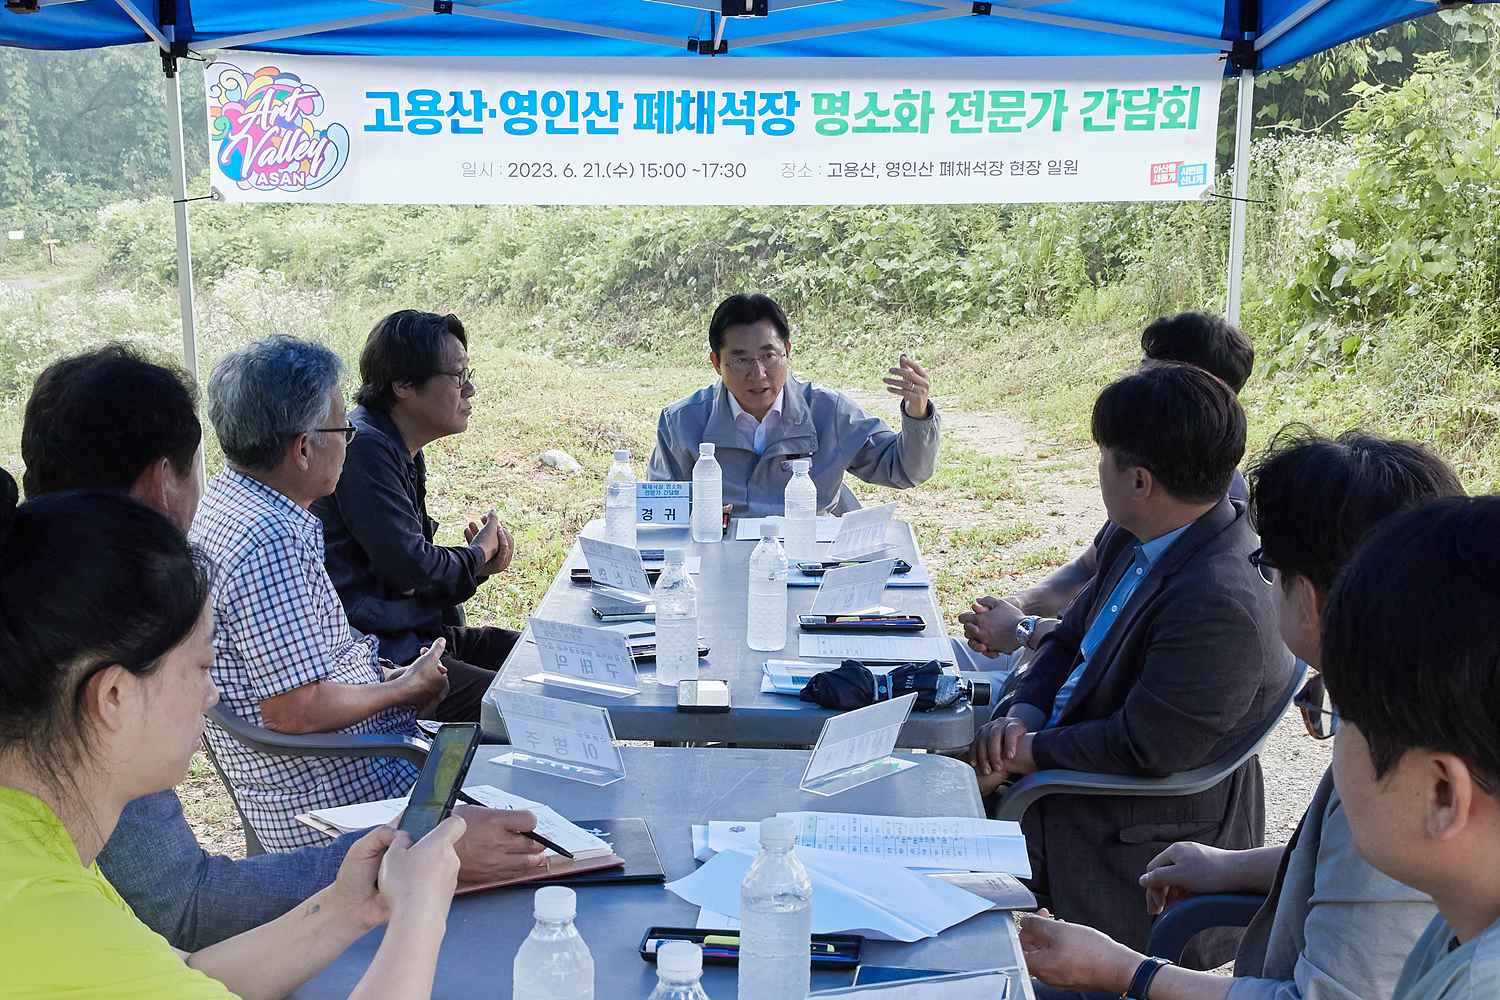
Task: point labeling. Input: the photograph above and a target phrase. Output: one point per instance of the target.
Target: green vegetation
(1373, 280)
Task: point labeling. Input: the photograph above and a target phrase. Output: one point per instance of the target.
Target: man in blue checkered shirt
(284, 654)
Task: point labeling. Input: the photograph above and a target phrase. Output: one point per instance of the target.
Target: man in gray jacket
(1332, 927)
(759, 418)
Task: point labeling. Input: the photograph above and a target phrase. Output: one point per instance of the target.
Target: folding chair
(308, 745)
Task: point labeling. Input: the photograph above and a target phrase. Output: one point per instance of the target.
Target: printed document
(876, 648)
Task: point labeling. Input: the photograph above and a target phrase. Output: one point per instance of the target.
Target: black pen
(464, 796)
(533, 835)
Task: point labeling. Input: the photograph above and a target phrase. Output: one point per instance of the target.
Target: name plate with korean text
(668, 505)
(561, 738)
(580, 656)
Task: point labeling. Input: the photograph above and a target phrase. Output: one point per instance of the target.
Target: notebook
(339, 820)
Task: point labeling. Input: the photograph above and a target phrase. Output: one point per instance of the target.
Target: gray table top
(486, 929)
(755, 717)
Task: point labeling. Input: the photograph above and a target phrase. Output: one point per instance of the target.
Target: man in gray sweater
(1333, 927)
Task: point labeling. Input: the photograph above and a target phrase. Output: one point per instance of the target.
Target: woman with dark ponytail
(105, 647)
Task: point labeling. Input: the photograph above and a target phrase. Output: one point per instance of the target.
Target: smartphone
(442, 776)
(646, 651)
(607, 608)
(879, 624)
(703, 696)
(819, 568)
(580, 574)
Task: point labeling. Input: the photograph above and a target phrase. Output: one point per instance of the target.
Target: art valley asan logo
(1178, 173)
(264, 125)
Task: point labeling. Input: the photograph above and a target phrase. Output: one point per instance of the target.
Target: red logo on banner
(1165, 173)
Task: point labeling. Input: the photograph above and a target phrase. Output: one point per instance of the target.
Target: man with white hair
(284, 654)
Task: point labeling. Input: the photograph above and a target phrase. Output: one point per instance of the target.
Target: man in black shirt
(416, 386)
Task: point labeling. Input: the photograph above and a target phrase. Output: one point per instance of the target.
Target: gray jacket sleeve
(194, 898)
(1358, 928)
(889, 459)
(665, 465)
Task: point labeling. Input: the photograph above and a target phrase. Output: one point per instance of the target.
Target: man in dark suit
(1167, 660)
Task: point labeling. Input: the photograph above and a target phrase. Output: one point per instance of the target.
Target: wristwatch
(1024, 628)
(1140, 983)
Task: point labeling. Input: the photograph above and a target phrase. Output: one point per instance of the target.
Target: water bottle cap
(623, 455)
(680, 958)
(674, 557)
(801, 465)
(555, 902)
(770, 528)
(778, 831)
(706, 450)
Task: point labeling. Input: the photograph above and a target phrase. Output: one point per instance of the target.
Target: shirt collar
(1154, 549)
(301, 518)
(739, 411)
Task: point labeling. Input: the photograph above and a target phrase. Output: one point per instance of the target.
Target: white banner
(698, 130)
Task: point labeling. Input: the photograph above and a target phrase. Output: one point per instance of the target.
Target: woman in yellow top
(105, 648)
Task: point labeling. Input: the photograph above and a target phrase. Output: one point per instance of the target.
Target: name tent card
(562, 738)
(862, 532)
(851, 589)
(617, 566)
(855, 748)
(667, 504)
(580, 656)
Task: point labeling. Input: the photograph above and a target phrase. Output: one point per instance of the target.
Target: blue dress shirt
(1147, 554)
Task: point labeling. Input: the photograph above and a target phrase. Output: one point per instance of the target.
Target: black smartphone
(880, 624)
(703, 696)
(580, 574)
(819, 568)
(442, 776)
(646, 652)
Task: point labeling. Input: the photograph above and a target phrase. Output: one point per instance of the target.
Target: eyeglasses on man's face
(463, 377)
(769, 361)
(348, 431)
(1318, 713)
(1268, 570)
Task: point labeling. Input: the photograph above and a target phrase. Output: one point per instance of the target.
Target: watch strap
(1140, 983)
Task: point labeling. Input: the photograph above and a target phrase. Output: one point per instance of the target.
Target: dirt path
(1061, 483)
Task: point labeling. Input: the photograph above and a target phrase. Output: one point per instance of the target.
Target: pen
(725, 946)
(464, 796)
(533, 835)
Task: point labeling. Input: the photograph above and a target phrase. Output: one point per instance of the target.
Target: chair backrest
(252, 842)
(268, 741)
(1020, 796)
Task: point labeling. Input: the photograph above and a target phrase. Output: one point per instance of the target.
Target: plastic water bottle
(554, 963)
(708, 496)
(765, 628)
(676, 622)
(679, 969)
(801, 514)
(776, 918)
(619, 501)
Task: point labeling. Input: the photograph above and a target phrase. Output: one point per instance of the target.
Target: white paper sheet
(862, 531)
(748, 528)
(991, 984)
(890, 648)
(850, 895)
(549, 822)
(953, 843)
(851, 589)
(715, 921)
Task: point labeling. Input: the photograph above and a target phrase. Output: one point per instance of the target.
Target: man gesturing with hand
(396, 583)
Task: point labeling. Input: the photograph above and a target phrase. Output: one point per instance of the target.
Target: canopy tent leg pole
(1244, 117)
(180, 217)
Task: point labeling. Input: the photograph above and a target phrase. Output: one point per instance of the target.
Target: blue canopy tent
(1252, 36)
